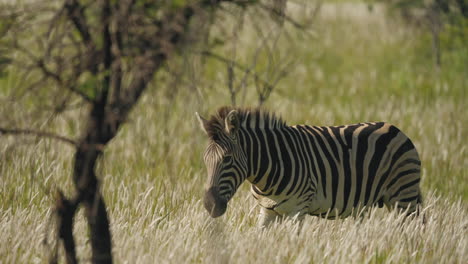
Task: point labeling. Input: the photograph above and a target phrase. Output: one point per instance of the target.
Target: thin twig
(76, 14)
(40, 64)
(285, 17)
(13, 131)
(56, 77)
(234, 63)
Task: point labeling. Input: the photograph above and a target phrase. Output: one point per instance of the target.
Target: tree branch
(235, 64)
(107, 52)
(76, 15)
(282, 15)
(59, 80)
(39, 63)
(147, 65)
(8, 131)
(169, 36)
(75, 12)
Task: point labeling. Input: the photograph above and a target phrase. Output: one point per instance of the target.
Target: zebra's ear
(231, 122)
(203, 123)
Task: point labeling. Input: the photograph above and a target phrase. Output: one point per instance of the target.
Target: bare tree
(267, 64)
(100, 55)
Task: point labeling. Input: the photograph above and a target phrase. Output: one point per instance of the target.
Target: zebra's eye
(227, 159)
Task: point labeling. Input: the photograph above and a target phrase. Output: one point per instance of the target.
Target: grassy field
(360, 66)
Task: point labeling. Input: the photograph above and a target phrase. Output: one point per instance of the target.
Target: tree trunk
(96, 136)
(66, 212)
(98, 223)
(96, 214)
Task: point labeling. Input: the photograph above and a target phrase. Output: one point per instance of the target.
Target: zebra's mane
(248, 118)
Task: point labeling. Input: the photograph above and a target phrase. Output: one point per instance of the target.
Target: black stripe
(290, 163)
(406, 162)
(264, 161)
(320, 163)
(346, 177)
(255, 151)
(238, 175)
(273, 177)
(227, 182)
(306, 157)
(250, 143)
(331, 142)
(283, 153)
(405, 147)
(224, 188)
(362, 146)
(348, 135)
(333, 168)
(255, 189)
(401, 174)
(403, 187)
(409, 199)
(348, 132)
(247, 143)
(300, 162)
(310, 151)
(380, 148)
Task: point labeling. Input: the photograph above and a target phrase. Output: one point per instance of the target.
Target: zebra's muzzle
(214, 204)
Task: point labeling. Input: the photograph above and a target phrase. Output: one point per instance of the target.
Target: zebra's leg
(267, 216)
(406, 202)
(359, 213)
(403, 192)
(409, 202)
(299, 219)
(419, 208)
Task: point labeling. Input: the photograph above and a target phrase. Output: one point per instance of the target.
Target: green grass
(359, 67)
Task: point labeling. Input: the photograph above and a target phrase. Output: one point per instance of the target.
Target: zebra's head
(224, 158)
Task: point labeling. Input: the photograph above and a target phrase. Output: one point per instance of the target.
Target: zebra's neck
(271, 166)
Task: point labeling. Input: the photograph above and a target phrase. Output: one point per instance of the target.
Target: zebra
(326, 171)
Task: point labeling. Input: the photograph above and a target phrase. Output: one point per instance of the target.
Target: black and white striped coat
(332, 171)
